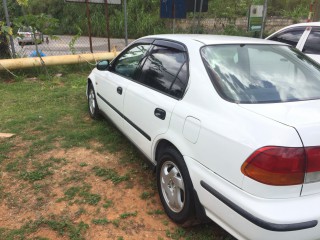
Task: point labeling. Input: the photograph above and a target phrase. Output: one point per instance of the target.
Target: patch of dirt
(121, 210)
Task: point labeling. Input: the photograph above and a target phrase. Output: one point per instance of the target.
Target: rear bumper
(248, 217)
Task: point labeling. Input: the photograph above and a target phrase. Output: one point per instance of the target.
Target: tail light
(313, 164)
(283, 166)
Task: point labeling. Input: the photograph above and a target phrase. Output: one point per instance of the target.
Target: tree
(4, 47)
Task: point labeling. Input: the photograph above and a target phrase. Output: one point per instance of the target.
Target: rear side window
(312, 45)
(290, 37)
(166, 70)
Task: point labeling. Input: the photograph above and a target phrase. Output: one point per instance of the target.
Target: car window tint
(127, 64)
(165, 70)
(290, 37)
(180, 83)
(312, 45)
(262, 73)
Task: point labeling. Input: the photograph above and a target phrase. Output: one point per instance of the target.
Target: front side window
(312, 45)
(261, 73)
(290, 37)
(166, 70)
(127, 64)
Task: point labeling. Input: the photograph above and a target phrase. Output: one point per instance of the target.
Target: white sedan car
(231, 124)
(303, 36)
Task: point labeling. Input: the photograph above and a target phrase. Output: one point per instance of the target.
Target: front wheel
(175, 187)
(92, 103)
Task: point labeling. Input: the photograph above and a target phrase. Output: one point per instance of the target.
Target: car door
(311, 44)
(149, 101)
(112, 84)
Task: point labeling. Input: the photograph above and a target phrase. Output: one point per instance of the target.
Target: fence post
(89, 25)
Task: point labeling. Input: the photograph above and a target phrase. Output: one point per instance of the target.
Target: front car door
(112, 84)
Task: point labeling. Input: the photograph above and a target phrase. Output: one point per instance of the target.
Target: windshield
(261, 73)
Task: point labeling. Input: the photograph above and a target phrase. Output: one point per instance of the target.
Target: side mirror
(103, 65)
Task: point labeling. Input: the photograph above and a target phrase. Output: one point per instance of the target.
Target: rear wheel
(175, 187)
(92, 103)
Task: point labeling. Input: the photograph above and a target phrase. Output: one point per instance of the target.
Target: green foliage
(5, 30)
(143, 16)
(73, 41)
(299, 12)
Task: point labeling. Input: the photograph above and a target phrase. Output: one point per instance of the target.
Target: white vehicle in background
(26, 36)
(303, 36)
(231, 125)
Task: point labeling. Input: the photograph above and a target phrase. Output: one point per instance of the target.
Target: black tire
(92, 103)
(178, 184)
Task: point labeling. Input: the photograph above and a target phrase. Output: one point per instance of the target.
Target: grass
(63, 227)
(109, 174)
(69, 195)
(80, 195)
(128, 214)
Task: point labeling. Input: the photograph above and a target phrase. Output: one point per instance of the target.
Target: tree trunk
(4, 48)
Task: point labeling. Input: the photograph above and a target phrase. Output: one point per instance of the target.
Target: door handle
(160, 113)
(119, 90)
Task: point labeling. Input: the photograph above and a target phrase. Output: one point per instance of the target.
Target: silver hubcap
(172, 186)
(92, 103)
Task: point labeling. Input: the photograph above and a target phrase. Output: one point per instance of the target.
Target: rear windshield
(261, 73)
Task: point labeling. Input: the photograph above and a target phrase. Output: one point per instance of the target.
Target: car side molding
(125, 118)
(255, 220)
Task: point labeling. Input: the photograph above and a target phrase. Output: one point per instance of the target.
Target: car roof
(206, 39)
(307, 24)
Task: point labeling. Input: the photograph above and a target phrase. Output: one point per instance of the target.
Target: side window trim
(304, 38)
(309, 31)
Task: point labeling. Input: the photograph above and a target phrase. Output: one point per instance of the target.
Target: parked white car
(303, 36)
(25, 36)
(231, 124)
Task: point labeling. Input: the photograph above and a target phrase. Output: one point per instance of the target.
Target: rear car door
(311, 45)
(150, 100)
(112, 84)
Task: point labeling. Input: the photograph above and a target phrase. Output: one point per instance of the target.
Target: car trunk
(304, 116)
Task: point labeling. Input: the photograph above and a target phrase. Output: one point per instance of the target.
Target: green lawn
(65, 176)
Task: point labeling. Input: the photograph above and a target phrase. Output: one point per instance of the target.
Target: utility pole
(264, 19)
(125, 22)
(9, 25)
(107, 22)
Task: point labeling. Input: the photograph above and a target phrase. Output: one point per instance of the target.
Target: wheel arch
(161, 146)
(200, 215)
(90, 81)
